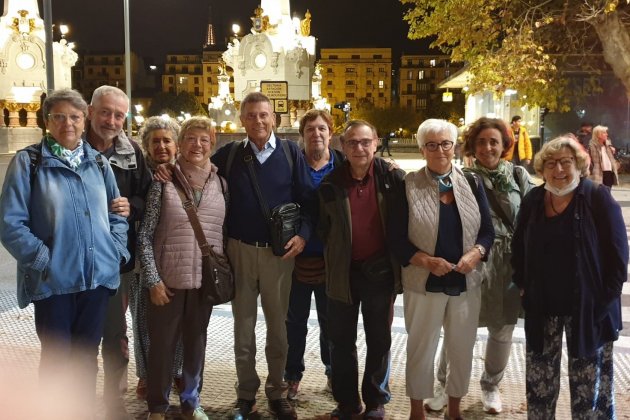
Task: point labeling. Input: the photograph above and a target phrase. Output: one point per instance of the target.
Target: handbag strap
(185, 194)
(248, 158)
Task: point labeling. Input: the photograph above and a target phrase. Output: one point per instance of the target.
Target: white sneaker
(491, 401)
(197, 414)
(439, 400)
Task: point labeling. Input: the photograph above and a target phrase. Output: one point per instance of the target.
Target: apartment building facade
(357, 75)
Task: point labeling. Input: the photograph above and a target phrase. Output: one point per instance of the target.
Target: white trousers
(425, 315)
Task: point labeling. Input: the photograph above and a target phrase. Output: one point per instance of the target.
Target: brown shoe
(141, 389)
(282, 409)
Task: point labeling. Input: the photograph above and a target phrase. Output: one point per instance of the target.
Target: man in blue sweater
(316, 129)
(283, 177)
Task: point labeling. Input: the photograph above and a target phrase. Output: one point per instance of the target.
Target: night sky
(177, 26)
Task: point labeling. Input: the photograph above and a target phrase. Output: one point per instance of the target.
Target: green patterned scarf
(71, 157)
(501, 178)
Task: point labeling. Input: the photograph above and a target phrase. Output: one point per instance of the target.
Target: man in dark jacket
(360, 271)
(316, 129)
(107, 113)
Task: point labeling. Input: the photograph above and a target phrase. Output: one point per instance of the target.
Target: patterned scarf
(71, 157)
(501, 178)
(444, 181)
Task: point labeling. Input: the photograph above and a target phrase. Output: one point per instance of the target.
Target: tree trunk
(615, 41)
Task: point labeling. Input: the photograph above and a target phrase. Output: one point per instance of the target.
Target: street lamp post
(127, 64)
(50, 64)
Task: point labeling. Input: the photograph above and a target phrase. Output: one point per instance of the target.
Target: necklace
(551, 204)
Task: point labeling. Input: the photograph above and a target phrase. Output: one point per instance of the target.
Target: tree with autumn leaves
(528, 45)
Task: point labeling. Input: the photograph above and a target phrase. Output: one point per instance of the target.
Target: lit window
(381, 84)
(432, 63)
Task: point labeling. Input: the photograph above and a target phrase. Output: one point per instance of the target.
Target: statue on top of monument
(305, 24)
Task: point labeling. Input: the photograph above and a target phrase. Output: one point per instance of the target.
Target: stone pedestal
(285, 121)
(13, 139)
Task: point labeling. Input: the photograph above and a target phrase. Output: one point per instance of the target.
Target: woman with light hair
(442, 232)
(159, 141)
(603, 162)
(171, 264)
(570, 258)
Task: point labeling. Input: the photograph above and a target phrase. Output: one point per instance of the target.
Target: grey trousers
(497, 356)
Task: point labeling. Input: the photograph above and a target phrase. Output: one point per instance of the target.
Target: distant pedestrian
(521, 151)
(603, 162)
(570, 261)
(585, 133)
(385, 143)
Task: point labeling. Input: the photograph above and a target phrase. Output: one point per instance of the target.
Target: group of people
(94, 232)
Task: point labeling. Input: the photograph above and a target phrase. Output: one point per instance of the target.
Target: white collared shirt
(267, 150)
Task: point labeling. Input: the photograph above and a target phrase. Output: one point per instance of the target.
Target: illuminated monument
(23, 71)
(279, 49)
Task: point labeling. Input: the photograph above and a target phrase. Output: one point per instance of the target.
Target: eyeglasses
(61, 118)
(355, 143)
(433, 146)
(205, 141)
(566, 163)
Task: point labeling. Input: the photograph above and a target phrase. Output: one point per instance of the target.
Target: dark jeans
(376, 300)
(297, 321)
(69, 328)
(116, 344)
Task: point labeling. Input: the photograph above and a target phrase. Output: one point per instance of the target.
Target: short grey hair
(254, 98)
(435, 126)
(104, 90)
(70, 96)
(582, 159)
(158, 123)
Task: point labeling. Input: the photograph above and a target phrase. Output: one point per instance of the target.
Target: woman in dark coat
(570, 257)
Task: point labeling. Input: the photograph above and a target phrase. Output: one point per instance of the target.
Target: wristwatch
(481, 249)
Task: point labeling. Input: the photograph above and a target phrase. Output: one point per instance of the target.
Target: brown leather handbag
(217, 284)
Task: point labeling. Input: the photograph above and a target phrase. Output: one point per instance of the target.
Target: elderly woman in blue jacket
(570, 258)
(57, 223)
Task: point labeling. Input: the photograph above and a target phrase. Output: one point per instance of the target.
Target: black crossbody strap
(248, 158)
(185, 194)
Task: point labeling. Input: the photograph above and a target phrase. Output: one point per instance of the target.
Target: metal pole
(50, 64)
(128, 66)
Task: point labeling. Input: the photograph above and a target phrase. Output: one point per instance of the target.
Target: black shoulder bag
(217, 284)
(283, 220)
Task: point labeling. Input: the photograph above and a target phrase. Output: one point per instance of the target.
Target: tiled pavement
(19, 353)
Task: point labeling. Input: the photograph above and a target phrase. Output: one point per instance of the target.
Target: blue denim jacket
(58, 227)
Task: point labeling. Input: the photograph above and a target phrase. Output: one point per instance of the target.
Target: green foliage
(525, 45)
